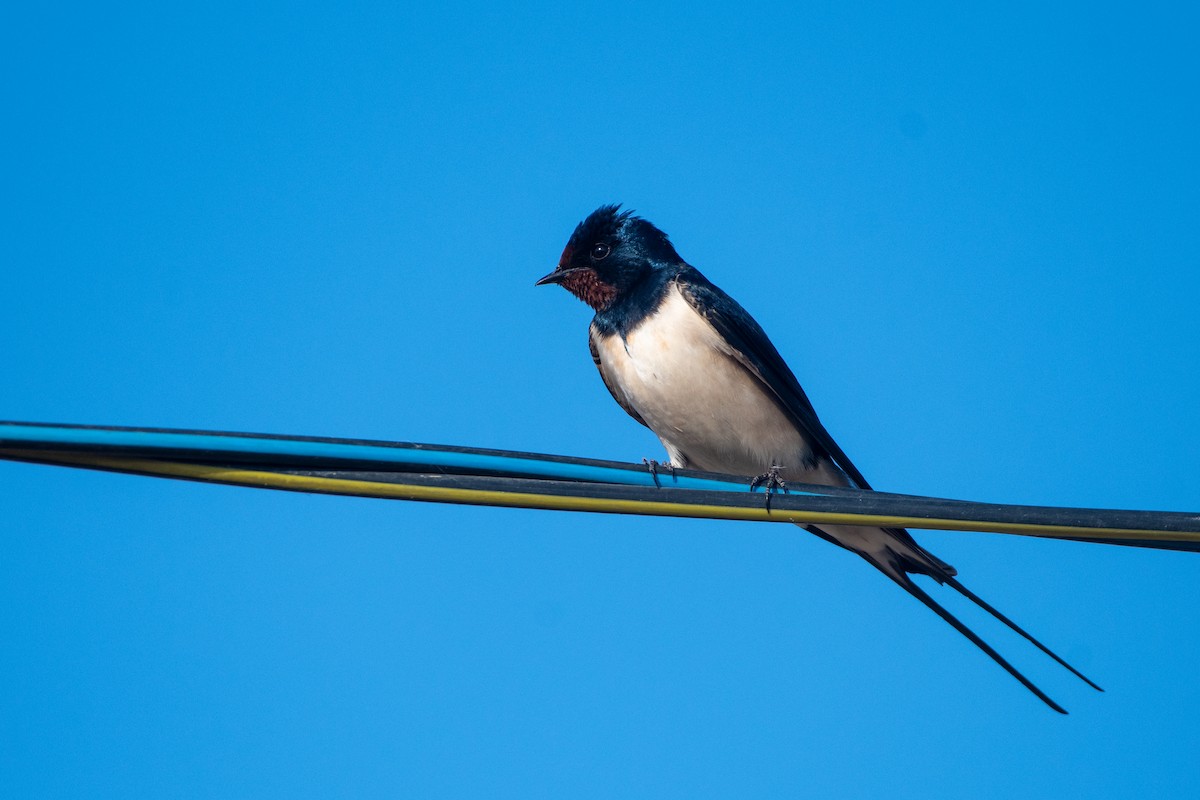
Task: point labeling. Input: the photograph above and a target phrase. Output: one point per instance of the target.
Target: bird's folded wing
(756, 353)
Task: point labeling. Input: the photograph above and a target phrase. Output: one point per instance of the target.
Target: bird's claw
(653, 466)
(771, 481)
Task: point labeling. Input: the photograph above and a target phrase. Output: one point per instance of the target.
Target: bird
(684, 359)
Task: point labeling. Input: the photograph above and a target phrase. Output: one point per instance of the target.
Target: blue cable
(14, 435)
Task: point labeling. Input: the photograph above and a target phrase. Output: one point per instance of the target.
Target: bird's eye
(600, 251)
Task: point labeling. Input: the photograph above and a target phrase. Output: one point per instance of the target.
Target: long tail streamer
(442, 474)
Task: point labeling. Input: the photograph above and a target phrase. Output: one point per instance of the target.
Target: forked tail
(897, 559)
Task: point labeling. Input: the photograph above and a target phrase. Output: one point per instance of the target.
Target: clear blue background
(971, 231)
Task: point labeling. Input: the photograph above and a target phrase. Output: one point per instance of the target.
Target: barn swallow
(689, 363)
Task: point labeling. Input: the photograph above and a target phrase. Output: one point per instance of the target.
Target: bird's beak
(558, 276)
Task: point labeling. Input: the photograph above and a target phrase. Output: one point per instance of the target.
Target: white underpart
(710, 412)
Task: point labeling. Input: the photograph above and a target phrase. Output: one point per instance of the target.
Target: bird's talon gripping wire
(653, 466)
(771, 481)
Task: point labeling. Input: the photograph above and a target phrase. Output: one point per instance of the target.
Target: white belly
(708, 410)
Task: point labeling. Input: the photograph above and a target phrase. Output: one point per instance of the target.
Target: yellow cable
(440, 494)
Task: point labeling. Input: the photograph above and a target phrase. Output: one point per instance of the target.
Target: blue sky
(972, 232)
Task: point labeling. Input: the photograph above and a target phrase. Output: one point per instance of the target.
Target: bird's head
(609, 253)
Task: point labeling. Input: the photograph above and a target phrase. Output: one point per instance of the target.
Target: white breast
(710, 412)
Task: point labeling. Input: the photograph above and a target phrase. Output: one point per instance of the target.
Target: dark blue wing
(758, 355)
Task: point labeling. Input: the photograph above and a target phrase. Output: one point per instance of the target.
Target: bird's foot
(653, 466)
(771, 481)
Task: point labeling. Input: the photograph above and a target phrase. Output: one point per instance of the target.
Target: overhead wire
(449, 474)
